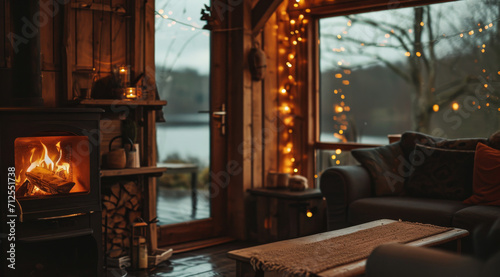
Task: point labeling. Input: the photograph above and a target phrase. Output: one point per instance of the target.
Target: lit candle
(130, 93)
(124, 75)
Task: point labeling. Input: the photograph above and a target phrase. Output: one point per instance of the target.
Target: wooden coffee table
(244, 269)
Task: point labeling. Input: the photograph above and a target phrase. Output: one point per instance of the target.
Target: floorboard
(208, 262)
(176, 205)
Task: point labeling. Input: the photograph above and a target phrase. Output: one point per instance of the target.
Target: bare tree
(421, 43)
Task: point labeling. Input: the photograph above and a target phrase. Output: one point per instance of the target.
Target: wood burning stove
(55, 153)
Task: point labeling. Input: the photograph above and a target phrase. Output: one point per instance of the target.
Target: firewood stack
(120, 208)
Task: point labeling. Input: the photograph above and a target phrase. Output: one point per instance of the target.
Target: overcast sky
(186, 45)
(449, 21)
(182, 45)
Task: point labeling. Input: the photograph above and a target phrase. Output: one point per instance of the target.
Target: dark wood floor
(207, 262)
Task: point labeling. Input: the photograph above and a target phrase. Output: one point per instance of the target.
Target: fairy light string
(293, 36)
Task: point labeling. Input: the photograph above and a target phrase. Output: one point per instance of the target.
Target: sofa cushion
(486, 239)
(460, 144)
(486, 178)
(432, 211)
(472, 216)
(383, 164)
(410, 139)
(440, 173)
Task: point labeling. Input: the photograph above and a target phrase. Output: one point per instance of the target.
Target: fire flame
(61, 169)
(49, 165)
(44, 160)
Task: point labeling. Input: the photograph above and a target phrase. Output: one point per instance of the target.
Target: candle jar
(130, 93)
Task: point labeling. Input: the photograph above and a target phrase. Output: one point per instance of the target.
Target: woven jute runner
(312, 258)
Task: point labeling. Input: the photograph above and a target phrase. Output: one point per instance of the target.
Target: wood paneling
(257, 143)
(50, 80)
(3, 38)
(51, 31)
(84, 52)
(239, 115)
(58, 29)
(149, 50)
(270, 99)
(137, 50)
(102, 38)
(47, 34)
(68, 51)
(118, 37)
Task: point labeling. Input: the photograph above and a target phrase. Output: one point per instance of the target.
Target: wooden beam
(262, 12)
(344, 7)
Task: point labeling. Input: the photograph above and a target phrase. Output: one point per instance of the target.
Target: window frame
(341, 8)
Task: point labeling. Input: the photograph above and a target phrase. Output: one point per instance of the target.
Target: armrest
(341, 185)
(404, 260)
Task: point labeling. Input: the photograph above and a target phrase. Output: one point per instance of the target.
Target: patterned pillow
(440, 173)
(384, 164)
(461, 144)
(409, 139)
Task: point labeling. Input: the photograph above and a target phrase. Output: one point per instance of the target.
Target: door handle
(220, 115)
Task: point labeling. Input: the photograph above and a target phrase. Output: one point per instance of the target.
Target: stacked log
(122, 205)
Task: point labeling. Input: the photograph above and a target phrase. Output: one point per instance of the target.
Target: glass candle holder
(130, 93)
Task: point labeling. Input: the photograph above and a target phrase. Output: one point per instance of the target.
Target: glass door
(186, 207)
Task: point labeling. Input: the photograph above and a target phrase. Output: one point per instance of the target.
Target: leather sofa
(404, 260)
(352, 196)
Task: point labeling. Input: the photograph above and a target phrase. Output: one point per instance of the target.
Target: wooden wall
(93, 36)
(108, 34)
(255, 126)
(5, 54)
(78, 38)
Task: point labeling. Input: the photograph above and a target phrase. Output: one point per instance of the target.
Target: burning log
(25, 189)
(48, 181)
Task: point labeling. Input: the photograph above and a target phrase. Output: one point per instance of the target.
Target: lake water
(194, 141)
(186, 141)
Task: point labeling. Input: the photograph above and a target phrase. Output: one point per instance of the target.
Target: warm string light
(462, 34)
(455, 106)
(162, 14)
(291, 42)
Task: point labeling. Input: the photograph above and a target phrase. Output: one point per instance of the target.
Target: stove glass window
(48, 166)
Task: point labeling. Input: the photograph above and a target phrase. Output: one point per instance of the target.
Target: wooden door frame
(216, 225)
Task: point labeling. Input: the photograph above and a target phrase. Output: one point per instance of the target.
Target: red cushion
(486, 177)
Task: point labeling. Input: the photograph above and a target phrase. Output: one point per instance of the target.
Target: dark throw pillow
(440, 173)
(384, 164)
(460, 144)
(409, 139)
(486, 178)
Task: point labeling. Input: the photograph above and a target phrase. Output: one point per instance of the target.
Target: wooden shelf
(118, 102)
(151, 170)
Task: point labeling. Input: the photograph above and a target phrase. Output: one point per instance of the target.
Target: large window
(433, 69)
